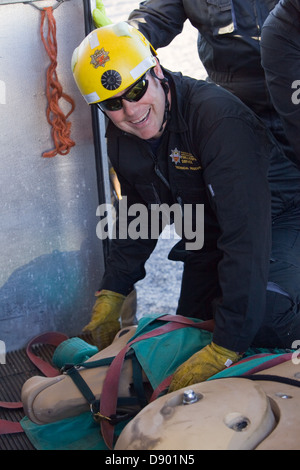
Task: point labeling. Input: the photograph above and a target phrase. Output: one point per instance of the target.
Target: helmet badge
(99, 58)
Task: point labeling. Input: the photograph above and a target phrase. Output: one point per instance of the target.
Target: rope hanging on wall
(61, 128)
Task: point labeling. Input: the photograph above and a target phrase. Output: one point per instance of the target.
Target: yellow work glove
(202, 365)
(99, 15)
(105, 323)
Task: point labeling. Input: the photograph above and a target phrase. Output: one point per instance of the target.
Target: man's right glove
(99, 15)
(105, 323)
(202, 365)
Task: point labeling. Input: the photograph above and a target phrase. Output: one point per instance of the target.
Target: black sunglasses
(134, 94)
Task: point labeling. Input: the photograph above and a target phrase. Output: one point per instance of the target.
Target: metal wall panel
(51, 259)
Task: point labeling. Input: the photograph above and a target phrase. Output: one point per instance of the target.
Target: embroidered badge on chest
(184, 160)
(176, 156)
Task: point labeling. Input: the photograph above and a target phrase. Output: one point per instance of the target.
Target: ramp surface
(13, 374)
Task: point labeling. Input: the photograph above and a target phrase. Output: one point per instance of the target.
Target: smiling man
(144, 119)
(175, 140)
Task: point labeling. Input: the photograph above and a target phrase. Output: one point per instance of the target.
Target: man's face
(144, 117)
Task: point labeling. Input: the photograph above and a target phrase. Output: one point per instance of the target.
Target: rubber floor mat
(17, 369)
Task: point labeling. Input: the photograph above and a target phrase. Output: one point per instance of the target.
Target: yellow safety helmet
(109, 60)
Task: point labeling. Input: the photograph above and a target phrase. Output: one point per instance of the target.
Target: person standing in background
(280, 52)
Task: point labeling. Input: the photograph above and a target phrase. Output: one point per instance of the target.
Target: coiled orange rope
(61, 128)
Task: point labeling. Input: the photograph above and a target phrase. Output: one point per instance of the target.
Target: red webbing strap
(10, 427)
(52, 338)
(109, 394)
(161, 387)
(275, 361)
(207, 325)
(13, 405)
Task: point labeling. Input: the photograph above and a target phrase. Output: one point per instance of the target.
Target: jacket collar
(176, 122)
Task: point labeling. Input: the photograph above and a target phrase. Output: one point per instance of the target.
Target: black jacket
(229, 39)
(280, 52)
(225, 154)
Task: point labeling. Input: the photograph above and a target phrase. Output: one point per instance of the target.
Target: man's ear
(157, 69)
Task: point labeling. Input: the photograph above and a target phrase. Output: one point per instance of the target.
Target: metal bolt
(189, 397)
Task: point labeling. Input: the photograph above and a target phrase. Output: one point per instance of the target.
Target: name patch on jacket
(184, 160)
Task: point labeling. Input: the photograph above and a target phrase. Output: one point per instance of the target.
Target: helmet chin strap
(165, 85)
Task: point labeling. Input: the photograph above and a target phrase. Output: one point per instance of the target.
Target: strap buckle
(67, 368)
(98, 417)
(121, 415)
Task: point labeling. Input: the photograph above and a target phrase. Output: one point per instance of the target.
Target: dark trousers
(200, 290)
(281, 325)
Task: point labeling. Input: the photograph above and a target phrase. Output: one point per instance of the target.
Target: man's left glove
(99, 15)
(202, 365)
(105, 323)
